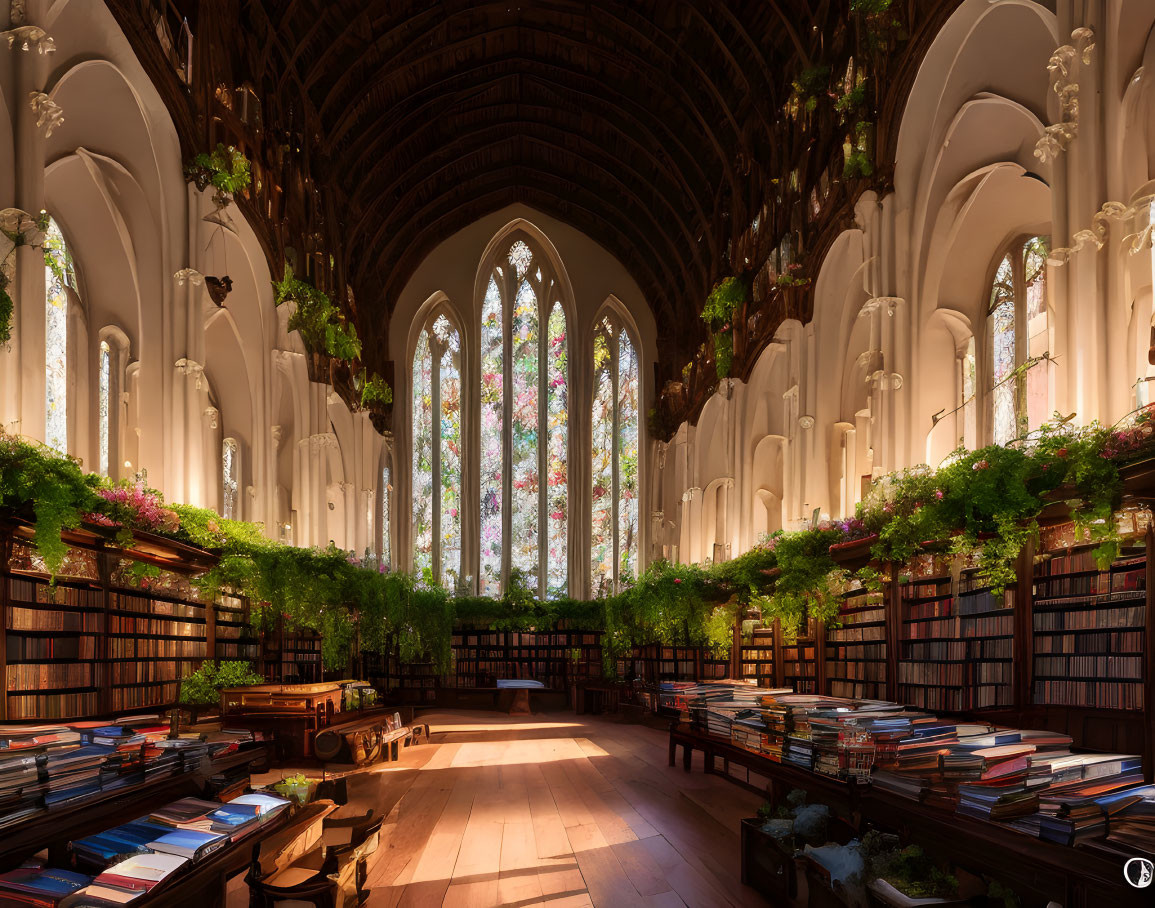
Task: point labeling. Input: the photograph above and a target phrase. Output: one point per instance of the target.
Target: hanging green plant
(723, 301)
(810, 83)
(723, 352)
(316, 318)
(376, 392)
(225, 168)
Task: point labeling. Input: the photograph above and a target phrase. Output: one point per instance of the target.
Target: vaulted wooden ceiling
(639, 122)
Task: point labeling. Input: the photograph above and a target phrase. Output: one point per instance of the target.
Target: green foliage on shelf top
(983, 503)
(318, 320)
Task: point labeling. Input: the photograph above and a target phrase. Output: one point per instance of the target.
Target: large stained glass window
(1019, 339)
(615, 446)
(437, 436)
(58, 275)
(524, 477)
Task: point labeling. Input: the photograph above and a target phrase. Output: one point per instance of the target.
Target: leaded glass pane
(557, 502)
(386, 535)
(627, 460)
(56, 339)
(492, 411)
(602, 514)
(230, 479)
(969, 390)
(1002, 339)
(524, 432)
(105, 403)
(1038, 378)
(423, 455)
(450, 425)
(520, 256)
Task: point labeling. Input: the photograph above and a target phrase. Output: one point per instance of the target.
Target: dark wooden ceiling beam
(431, 149)
(564, 188)
(489, 141)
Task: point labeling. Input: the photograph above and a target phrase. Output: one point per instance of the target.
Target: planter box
(767, 867)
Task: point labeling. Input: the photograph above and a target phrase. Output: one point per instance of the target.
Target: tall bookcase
(105, 637)
(957, 639)
(801, 658)
(856, 649)
(235, 639)
(756, 659)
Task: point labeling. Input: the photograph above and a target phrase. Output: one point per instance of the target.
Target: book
(141, 872)
(40, 885)
(187, 813)
(96, 896)
(190, 843)
(268, 805)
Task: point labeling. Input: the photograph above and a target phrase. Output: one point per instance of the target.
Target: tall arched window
(437, 433)
(1018, 333)
(104, 391)
(386, 530)
(230, 478)
(58, 275)
(614, 536)
(524, 425)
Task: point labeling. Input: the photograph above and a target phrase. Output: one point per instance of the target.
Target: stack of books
(35, 884)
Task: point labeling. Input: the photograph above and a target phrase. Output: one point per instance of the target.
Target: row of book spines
(954, 674)
(146, 605)
(515, 653)
(52, 706)
(35, 619)
(24, 590)
(1094, 694)
(855, 634)
(857, 652)
(35, 675)
(34, 649)
(1093, 667)
(1082, 560)
(152, 648)
(969, 586)
(990, 626)
(523, 638)
(237, 651)
(863, 616)
(944, 700)
(856, 671)
(938, 650)
(962, 606)
(1090, 644)
(149, 695)
(1090, 585)
(857, 689)
(1122, 618)
(121, 624)
(148, 672)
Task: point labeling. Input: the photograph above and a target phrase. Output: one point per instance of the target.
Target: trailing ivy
(320, 323)
(225, 168)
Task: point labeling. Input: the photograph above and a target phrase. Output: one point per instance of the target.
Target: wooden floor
(556, 810)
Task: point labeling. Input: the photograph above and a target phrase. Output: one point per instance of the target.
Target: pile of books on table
(121, 864)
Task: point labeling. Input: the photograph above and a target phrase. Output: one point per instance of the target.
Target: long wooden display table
(1036, 870)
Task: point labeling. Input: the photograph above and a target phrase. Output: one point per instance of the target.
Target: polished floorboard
(555, 810)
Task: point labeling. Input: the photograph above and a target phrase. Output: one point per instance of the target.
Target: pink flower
(453, 512)
(938, 494)
(677, 580)
(980, 465)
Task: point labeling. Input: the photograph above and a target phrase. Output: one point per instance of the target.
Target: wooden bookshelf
(957, 640)
(757, 660)
(856, 648)
(800, 662)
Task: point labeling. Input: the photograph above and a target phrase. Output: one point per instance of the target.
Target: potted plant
(227, 170)
(297, 787)
(202, 689)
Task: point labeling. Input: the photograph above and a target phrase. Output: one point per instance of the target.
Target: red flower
(1062, 452)
(677, 580)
